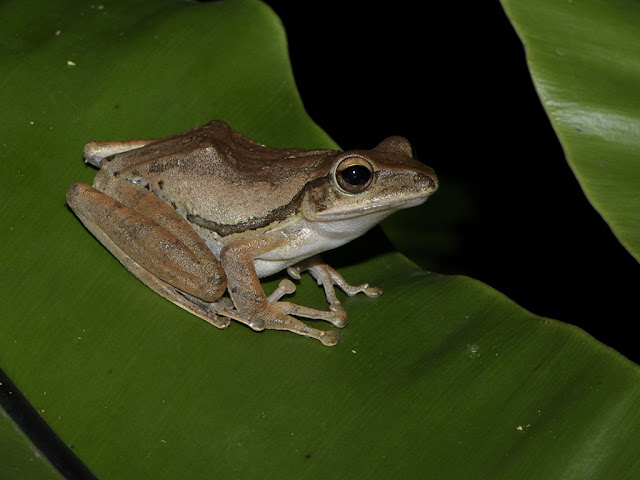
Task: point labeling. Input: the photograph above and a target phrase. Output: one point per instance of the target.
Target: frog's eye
(354, 174)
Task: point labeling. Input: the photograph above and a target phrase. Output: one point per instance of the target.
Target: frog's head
(365, 186)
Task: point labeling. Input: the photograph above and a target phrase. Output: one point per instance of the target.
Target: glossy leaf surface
(584, 58)
(441, 374)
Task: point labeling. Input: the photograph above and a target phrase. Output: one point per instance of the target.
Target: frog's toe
(372, 292)
(257, 324)
(220, 322)
(286, 287)
(339, 318)
(329, 338)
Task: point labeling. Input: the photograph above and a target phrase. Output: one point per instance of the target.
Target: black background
(453, 80)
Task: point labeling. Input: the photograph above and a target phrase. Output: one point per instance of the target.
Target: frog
(202, 216)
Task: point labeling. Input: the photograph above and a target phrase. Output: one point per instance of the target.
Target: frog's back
(215, 176)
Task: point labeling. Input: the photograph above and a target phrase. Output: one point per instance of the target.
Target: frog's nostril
(428, 180)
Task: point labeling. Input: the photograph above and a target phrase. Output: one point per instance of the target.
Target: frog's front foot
(337, 315)
(328, 277)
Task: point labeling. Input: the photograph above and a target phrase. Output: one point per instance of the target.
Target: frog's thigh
(143, 201)
(162, 288)
(152, 247)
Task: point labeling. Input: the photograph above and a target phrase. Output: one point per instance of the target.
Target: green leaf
(584, 58)
(441, 377)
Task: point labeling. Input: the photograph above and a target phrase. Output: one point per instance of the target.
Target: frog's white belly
(311, 238)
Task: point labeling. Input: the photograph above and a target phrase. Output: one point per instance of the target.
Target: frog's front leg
(327, 277)
(248, 296)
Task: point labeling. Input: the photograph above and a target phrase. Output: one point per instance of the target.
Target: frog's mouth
(370, 208)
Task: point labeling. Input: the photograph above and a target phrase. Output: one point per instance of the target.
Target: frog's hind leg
(278, 316)
(150, 252)
(95, 152)
(262, 312)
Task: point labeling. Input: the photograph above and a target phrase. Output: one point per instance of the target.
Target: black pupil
(356, 175)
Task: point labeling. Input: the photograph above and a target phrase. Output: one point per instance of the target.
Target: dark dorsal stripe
(222, 229)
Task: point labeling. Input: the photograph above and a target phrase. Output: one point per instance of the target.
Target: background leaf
(441, 374)
(585, 61)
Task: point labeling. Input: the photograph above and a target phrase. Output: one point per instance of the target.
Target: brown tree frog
(207, 211)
